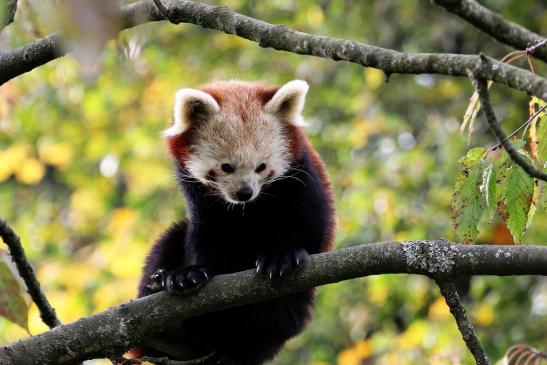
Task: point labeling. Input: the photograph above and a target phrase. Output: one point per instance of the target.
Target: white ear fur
(185, 102)
(288, 102)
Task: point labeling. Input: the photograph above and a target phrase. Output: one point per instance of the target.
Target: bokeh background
(86, 181)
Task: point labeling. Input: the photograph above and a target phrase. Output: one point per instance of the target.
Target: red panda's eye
(260, 168)
(227, 168)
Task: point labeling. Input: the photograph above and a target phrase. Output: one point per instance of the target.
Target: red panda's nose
(244, 194)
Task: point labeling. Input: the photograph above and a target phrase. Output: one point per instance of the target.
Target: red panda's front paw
(185, 280)
(155, 281)
(180, 281)
(281, 263)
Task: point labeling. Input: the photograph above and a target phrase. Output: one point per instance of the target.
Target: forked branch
(482, 90)
(448, 290)
(111, 332)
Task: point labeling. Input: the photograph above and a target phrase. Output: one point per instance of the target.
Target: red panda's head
(236, 137)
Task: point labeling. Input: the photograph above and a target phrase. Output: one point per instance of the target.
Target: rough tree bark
(111, 332)
(24, 59)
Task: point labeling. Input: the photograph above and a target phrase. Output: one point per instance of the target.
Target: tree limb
(448, 290)
(482, 90)
(24, 59)
(7, 13)
(496, 25)
(115, 330)
(47, 313)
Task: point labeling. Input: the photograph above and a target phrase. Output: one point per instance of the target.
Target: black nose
(244, 194)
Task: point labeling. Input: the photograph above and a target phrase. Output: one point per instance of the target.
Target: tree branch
(448, 290)
(26, 58)
(280, 37)
(115, 330)
(7, 13)
(47, 313)
(496, 25)
(482, 90)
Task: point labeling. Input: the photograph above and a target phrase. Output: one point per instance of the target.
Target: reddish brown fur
(180, 146)
(243, 97)
(298, 219)
(233, 96)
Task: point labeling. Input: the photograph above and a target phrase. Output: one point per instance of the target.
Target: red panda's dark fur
(291, 212)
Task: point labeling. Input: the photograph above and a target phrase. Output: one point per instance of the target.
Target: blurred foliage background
(86, 182)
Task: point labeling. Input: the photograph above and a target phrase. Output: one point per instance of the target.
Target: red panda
(257, 196)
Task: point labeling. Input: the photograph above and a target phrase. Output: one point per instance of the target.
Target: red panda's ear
(190, 106)
(288, 102)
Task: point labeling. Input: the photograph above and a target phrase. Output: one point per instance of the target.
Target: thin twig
(524, 125)
(534, 48)
(480, 86)
(448, 290)
(47, 313)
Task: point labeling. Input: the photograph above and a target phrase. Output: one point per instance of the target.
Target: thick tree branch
(482, 90)
(496, 25)
(280, 37)
(47, 313)
(7, 13)
(51, 47)
(113, 331)
(448, 290)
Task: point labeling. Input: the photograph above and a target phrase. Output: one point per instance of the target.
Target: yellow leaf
(348, 357)
(377, 291)
(484, 314)
(56, 154)
(12, 158)
(355, 354)
(122, 219)
(438, 310)
(374, 78)
(414, 335)
(114, 292)
(30, 172)
(363, 349)
(85, 206)
(315, 15)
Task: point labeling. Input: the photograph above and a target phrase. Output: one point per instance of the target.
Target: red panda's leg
(165, 265)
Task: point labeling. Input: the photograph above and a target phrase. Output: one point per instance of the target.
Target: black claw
(180, 281)
(281, 263)
(156, 280)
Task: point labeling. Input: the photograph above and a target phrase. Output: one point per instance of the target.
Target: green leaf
(542, 141)
(12, 303)
(543, 194)
(501, 171)
(488, 188)
(472, 157)
(518, 144)
(468, 203)
(516, 199)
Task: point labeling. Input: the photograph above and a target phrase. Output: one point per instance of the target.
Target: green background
(86, 181)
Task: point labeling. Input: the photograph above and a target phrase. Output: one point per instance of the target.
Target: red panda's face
(236, 142)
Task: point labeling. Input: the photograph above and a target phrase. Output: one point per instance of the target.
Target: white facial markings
(187, 102)
(226, 138)
(288, 102)
(245, 134)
